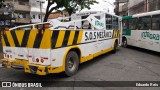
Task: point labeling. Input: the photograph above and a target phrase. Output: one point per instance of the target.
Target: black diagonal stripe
(75, 37)
(54, 38)
(38, 39)
(6, 39)
(66, 38)
(25, 38)
(15, 38)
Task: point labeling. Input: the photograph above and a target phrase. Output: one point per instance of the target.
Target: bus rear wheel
(72, 63)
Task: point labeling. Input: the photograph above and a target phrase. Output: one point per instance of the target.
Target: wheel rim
(71, 64)
(125, 42)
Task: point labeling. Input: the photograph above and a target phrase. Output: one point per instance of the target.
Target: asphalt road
(128, 64)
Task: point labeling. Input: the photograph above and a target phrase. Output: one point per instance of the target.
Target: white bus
(142, 30)
(56, 46)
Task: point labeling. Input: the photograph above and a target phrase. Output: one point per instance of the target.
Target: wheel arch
(72, 48)
(123, 38)
(116, 41)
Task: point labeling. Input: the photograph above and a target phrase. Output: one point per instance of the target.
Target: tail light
(37, 60)
(7, 56)
(29, 56)
(42, 60)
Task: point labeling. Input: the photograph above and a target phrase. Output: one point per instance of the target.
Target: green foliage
(1, 3)
(86, 3)
(71, 6)
(74, 5)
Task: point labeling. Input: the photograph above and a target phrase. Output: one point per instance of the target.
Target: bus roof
(147, 14)
(92, 12)
(142, 14)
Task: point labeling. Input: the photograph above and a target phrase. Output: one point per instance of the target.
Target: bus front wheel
(72, 63)
(124, 42)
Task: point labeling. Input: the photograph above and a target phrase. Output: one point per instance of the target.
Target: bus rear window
(125, 24)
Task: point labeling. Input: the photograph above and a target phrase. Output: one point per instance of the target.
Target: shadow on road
(59, 76)
(95, 60)
(144, 50)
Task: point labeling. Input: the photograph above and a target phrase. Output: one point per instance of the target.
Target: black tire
(72, 63)
(124, 42)
(115, 47)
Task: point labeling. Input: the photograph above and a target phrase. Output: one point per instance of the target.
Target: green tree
(1, 3)
(71, 6)
(58, 3)
(75, 5)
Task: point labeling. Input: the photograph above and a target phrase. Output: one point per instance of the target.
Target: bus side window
(144, 23)
(108, 22)
(133, 23)
(156, 22)
(115, 22)
(125, 24)
(85, 24)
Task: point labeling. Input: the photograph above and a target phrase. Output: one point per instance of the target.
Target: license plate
(18, 66)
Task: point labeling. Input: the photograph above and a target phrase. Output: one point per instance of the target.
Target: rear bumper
(13, 63)
(36, 69)
(31, 68)
(42, 70)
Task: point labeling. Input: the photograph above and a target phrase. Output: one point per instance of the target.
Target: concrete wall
(35, 10)
(36, 19)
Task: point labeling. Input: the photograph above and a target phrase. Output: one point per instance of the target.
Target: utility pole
(128, 7)
(41, 2)
(117, 7)
(105, 1)
(13, 9)
(147, 5)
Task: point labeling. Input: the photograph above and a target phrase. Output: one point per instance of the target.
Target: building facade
(153, 5)
(27, 11)
(38, 10)
(21, 11)
(130, 7)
